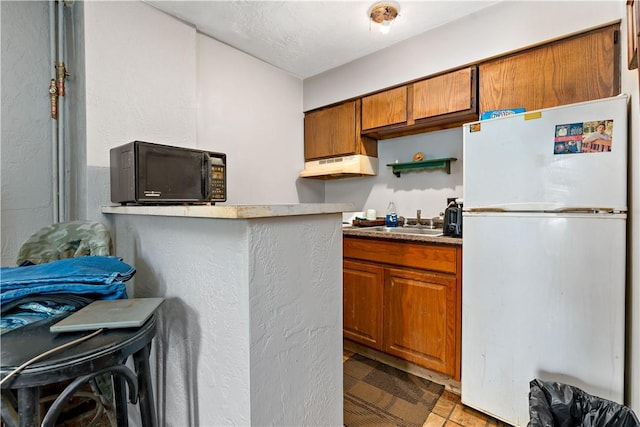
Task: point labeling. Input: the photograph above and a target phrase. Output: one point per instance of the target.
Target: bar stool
(106, 352)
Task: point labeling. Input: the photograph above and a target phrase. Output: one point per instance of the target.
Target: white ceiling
(306, 38)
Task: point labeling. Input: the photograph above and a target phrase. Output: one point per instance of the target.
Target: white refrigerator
(544, 255)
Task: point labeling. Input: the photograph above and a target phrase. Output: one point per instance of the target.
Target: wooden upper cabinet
(439, 102)
(384, 108)
(445, 94)
(580, 68)
(335, 131)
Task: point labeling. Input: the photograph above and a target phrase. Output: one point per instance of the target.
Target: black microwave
(147, 173)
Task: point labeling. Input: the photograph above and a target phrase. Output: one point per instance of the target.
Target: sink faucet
(418, 214)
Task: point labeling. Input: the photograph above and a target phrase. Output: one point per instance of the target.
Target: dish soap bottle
(391, 219)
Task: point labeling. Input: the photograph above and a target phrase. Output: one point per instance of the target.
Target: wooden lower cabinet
(420, 318)
(404, 298)
(362, 303)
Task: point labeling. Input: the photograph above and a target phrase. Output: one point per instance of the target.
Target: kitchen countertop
(390, 235)
(223, 211)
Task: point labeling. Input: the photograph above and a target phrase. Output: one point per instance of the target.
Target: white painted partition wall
(251, 329)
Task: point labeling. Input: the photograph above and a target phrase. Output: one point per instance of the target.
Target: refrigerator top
(623, 97)
(561, 158)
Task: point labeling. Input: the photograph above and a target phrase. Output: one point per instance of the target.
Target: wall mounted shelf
(444, 163)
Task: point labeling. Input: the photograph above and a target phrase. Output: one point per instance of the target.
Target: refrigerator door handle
(574, 209)
(486, 210)
(591, 210)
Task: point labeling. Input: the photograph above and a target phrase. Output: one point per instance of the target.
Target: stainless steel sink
(409, 230)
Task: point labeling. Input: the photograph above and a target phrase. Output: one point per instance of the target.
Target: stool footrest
(60, 402)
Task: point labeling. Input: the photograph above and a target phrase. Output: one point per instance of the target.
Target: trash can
(553, 404)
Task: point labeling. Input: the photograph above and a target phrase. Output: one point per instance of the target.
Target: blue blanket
(103, 276)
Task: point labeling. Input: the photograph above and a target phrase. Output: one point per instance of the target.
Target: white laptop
(110, 314)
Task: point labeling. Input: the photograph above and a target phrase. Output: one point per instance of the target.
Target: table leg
(147, 410)
(120, 400)
(29, 406)
(9, 413)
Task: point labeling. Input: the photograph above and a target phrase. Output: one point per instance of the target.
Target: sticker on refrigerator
(474, 127)
(587, 137)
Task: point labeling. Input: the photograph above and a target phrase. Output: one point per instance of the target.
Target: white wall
(251, 111)
(505, 27)
(140, 78)
(140, 68)
(26, 125)
(200, 355)
(425, 190)
(247, 337)
(156, 79)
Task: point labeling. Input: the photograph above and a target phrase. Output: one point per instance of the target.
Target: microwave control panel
(218, 178)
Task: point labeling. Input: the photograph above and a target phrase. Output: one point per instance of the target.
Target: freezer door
(542, 297)
(514, 161)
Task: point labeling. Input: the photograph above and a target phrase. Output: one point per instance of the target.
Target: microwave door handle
(207, 184)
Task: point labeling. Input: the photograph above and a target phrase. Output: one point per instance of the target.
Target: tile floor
(450, 412)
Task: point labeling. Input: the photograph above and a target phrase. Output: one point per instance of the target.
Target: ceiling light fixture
(383, 13)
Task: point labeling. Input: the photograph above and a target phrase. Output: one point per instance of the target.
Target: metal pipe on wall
(62, 164)
(54, 127)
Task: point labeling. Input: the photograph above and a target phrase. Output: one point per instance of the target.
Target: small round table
(105, 353)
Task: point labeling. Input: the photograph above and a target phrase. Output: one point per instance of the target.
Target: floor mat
(376, 394)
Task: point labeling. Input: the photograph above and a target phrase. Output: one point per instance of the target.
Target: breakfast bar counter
(230, 211)
(251, 329)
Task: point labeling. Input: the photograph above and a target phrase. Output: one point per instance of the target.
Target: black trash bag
(554, 404)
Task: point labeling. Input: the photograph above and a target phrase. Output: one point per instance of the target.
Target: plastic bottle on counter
(391, 219)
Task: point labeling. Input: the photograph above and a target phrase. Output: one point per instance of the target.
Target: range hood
(341, 167)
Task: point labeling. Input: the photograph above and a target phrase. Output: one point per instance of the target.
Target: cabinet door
(581, 68)
(420, 318)
(330, 131)
(445, 94)
(335, 131)
(362, 303)
(384, 108)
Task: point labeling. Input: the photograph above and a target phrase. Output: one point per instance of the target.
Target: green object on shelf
(444, 163)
